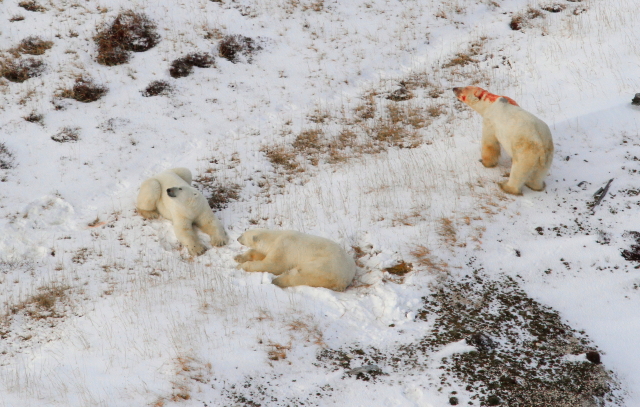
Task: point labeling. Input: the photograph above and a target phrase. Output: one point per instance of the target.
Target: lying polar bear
(297, 259)
(524, 137)
(171, 195)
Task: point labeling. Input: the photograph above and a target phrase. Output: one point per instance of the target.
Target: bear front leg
(263, 266)
(187, 237)
(490, 146)
(250, 255)
(209, 224)
(150, 193)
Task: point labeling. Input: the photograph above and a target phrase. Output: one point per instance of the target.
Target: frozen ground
(103, 308)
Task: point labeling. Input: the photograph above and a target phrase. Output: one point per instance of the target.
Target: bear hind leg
(536, 180)
(520, 171)
(294, 278)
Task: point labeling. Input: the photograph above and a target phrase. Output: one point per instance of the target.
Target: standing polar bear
(297, 259)
(171, 195)
(524, 137)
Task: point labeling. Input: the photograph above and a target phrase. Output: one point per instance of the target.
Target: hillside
(335, 119)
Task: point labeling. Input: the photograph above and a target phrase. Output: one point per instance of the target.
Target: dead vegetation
(6, 157)
(218, 194)
(522, 19)
(20, 69)
(157, 88)
(34, 117)
(183, 66)
(467, 57)
(236, 48)
(67, 135)
(84, 90)
(31, 5)
(425, 258)
(42, 304)
(129, 32)
(32, 45)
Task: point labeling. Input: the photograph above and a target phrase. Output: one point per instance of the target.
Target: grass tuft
(85, 90)
(156, 88)
(31, 5)
(183, 67)
(67, 135)
(6, 157)
(236, 47)
(34, 46)
(129, 32)
(19, 70)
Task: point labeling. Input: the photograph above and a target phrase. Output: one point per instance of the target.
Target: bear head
(253, 238)
(478, 99)
(186, 195)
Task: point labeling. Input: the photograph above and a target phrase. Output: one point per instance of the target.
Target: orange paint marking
(490, 97)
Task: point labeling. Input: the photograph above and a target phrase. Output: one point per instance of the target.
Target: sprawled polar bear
(524, 137)
(171, 195)
(297, 259)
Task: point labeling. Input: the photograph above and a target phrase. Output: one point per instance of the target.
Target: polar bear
(297, 259)
(524, 137)
(171, 195)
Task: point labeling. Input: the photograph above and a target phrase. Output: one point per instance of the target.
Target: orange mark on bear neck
(490, 97)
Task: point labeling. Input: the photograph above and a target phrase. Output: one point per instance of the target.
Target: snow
(143, 322)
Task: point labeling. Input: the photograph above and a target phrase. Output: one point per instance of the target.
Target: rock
(636, 100)
(365, 369)
(493, 401)
(593, 357)
(453, 401)
(481, 341)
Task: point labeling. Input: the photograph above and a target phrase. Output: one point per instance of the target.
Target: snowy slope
(138, 322)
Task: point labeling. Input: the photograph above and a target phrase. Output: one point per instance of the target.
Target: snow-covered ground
(103, 308)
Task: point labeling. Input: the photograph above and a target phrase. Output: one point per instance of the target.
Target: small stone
(593, 357)
(453, 401)
(493, 401)
(636, 100)
(481, 341)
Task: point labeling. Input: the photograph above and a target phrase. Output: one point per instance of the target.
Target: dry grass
(6, 157)
(19, 70)
(447, 231)
(34, 117)
(43, 304)
(425, 258)
(277, 351)
(156, 88)
(521, 20)
(31, 5)
(129, 32)
(66, 135)
(84, 90)
(236, 47)
(467, 57)
(183, 67)
(33, 45)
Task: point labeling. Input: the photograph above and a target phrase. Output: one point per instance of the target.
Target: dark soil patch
(236, 47)
(85, 90)
(156, 88)
(182, 67)
(520, 349)
(129, 32)
(19, 70)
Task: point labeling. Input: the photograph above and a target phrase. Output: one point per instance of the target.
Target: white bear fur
(297, 259)
(187, 209)
(523, 136)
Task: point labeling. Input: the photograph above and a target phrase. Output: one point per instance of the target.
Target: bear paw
(148, 214)
(218, 241)
(196, 250)
(504, 185)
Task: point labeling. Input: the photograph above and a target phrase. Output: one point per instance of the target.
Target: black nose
(171, 192)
